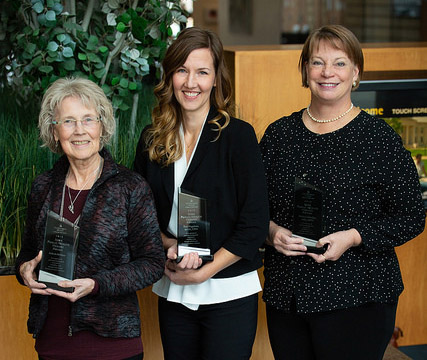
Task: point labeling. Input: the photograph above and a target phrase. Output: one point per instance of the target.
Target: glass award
(59, 252)
(308, 213)
(193, 226)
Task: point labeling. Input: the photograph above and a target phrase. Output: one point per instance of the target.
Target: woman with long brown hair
(206, 309)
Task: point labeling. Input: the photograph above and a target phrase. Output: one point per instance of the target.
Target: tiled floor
(415, 352)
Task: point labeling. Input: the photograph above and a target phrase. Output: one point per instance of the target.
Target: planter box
(15, 342)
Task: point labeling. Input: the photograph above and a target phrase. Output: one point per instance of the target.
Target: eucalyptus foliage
(116, 43)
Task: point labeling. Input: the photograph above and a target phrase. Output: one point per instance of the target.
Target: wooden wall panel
(150, 325)
(15, 342)
(267, 85)
(412, 308)
(262, 348)
(392, 57)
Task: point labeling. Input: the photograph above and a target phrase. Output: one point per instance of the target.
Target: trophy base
(205, 258)
(51, 281)
(310, 244)
(55, 286)
(317, 250)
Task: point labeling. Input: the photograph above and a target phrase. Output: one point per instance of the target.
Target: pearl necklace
(330, 120)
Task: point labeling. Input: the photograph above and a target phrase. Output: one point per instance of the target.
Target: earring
(354, 83)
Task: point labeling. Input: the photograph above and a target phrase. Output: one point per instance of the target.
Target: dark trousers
(136, 357)
(350, 334)
(219, 331)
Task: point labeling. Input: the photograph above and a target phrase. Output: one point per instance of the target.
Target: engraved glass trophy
(59, 252)
(308, 214)
(193, 226)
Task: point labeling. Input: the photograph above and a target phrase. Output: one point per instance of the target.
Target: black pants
(360, 333)
(136, 357)
(219, 331)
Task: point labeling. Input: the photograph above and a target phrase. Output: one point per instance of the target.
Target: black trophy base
(317, 250)
(55, 286)
(310, 244)
(205, 258)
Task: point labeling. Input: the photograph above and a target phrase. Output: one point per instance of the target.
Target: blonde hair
(162, 138)
(338, 37)
(89, 93)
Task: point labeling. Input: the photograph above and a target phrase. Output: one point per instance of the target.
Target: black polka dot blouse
(369, 183)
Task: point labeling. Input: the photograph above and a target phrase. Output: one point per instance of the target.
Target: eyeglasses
(87, 122)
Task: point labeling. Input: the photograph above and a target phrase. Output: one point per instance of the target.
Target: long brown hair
(164, 142)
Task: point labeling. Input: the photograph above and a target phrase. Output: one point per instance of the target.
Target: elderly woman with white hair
(119, 244)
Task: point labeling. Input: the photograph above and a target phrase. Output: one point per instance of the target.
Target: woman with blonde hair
(111, 212)
(207, 309)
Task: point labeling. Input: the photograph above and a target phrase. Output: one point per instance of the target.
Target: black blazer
(228, 173)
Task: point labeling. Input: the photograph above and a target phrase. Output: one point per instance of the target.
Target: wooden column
(411, 311)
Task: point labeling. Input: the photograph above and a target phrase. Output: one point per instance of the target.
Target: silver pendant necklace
(71, 206)
(330, 120)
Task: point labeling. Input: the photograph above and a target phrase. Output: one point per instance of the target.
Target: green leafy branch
(116, 43)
